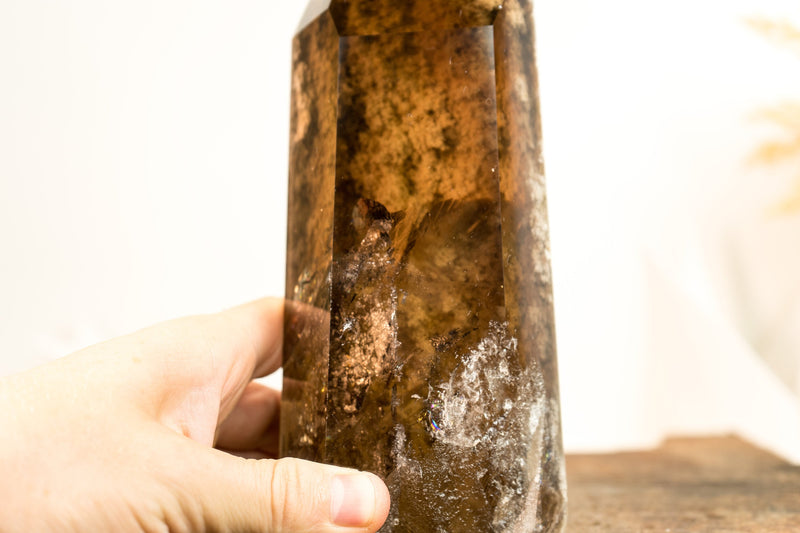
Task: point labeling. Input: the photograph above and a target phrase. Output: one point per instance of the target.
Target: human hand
(118, 437)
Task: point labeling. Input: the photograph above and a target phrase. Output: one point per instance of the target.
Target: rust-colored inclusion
(419, 337)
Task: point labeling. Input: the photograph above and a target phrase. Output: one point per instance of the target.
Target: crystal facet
(419, 340)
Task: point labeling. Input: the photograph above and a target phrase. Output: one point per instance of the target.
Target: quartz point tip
(419, 339)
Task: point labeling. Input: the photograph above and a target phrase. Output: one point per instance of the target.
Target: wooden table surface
(715, 485)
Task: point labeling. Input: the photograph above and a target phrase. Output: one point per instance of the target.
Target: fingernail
(352, 500)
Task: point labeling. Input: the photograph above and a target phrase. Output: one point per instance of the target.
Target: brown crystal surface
(419, 337)
(686, 485)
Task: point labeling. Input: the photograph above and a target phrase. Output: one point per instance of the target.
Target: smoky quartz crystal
(419, 338)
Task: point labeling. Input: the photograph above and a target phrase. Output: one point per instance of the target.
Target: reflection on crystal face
(419, 340)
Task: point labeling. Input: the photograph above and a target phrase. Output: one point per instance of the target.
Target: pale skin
(128, 436)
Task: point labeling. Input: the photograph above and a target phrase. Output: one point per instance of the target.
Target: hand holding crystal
(164, 430)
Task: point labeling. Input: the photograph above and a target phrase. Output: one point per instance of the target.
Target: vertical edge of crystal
(528, 287)
(312, 158)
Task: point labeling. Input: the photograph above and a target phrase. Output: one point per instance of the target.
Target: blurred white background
(143, 163)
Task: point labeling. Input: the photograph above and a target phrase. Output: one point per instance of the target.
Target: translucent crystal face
(370, 17)
(419, 341)
(373, 17)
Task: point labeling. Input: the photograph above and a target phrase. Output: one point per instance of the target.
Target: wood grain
(696, 485)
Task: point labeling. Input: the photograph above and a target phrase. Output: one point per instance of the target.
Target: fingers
(285, 495)
(252, 426)
(216, 354)
(259, 324)
(245, 340)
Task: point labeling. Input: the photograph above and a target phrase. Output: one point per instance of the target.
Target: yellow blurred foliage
(785, 116)
(781, 32)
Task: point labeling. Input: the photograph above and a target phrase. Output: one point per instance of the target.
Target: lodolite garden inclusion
(419, 340)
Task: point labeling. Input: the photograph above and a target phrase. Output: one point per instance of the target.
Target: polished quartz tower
(419, 338)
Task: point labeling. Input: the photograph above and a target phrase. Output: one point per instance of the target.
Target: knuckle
(283, 494)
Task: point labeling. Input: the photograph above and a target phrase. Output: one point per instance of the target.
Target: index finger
(218, 353)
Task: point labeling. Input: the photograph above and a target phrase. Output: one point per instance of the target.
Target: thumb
(286, 495)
